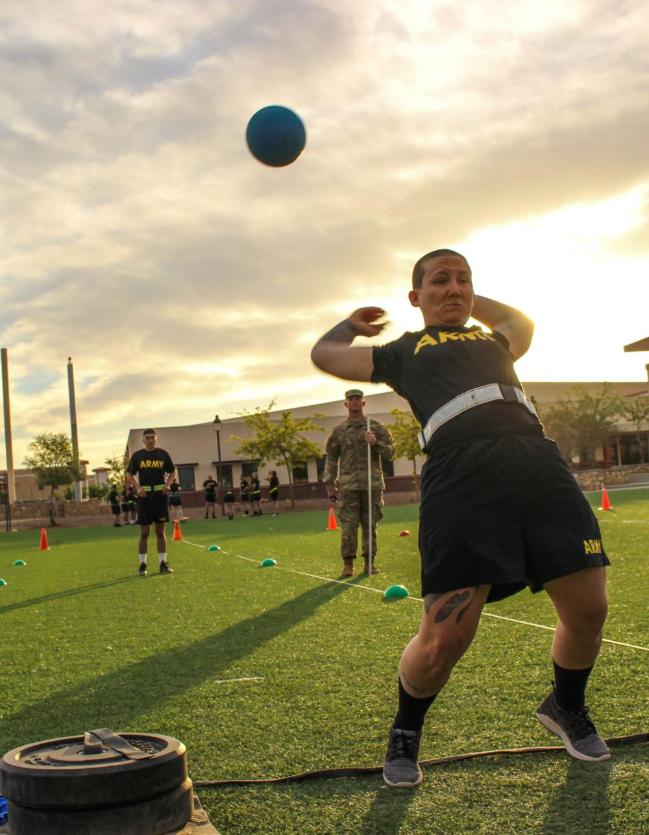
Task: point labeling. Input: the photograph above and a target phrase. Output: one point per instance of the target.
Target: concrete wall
(632, 475)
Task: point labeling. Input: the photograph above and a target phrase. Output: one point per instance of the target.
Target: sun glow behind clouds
(552, 266)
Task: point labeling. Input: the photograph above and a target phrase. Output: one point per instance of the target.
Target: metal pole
(11, 482)
(369, 502)
(73, 427)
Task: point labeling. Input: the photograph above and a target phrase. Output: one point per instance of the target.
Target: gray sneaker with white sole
(401, 770)
(575, 728)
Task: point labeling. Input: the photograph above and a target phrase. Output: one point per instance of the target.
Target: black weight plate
(156, 816)
(54, 773)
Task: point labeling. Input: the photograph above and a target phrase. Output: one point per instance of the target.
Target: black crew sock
(570, 686)
(412, 711)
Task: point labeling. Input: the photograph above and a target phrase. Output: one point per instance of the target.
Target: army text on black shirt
(432, 366)
(150, 466)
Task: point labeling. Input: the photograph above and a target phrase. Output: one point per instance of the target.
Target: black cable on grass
(329, 773)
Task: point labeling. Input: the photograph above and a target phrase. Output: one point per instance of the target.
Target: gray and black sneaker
(400, 769)
(165, 568)
(142, 569)
(575, 728)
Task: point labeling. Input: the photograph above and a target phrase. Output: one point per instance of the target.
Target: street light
(217, 423)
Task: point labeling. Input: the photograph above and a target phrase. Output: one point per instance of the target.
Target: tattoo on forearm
(451, 605)
(342, 332)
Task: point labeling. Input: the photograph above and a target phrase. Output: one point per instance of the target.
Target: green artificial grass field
(265, 672)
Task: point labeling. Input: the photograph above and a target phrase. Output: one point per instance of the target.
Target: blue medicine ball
(276, 136)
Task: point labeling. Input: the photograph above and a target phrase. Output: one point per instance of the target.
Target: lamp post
(217, 423)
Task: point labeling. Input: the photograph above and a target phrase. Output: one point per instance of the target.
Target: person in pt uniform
(151, 472)
(210, 486)
(500, 510)
(115, 509)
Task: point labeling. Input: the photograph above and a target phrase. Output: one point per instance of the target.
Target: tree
(98, 491)
(584, 422)
(52, 460)
(279, 441)
(117, 467)
(636, 411)
(405, 434)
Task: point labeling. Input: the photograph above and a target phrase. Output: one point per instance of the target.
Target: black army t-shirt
(432, 366)
(150, 465)
(210, 489)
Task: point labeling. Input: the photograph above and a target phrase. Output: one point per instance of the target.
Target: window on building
(225, 473)
(300, 472)
(388, 468)
(248, 468)
(321, 463)
(186, 476)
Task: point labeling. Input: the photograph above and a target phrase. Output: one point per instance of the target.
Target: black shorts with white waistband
(503, 511)
(152, 507)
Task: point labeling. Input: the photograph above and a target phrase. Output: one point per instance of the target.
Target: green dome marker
(3, 582)
(214, 548)
(20, 562)
(396, 593)
(267, 563)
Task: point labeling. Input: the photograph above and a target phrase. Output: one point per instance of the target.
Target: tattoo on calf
(411, 686)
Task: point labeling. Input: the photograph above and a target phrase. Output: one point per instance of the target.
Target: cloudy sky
(184, 278)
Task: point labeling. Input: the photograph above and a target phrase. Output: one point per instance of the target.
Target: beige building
(194, 449)
(27, 489)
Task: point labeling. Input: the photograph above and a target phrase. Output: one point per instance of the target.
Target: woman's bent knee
(444, 650)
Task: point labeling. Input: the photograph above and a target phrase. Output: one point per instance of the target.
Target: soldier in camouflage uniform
(346, 478)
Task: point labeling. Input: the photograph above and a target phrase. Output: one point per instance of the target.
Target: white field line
(229, 680)
(635, 521)
(410, 597)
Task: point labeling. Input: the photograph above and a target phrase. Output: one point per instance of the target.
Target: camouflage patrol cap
(353, 393)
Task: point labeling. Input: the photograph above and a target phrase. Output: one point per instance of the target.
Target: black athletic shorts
(504, 511)
(152, 508)
(174, 501)
(125, 507)
(114, 509)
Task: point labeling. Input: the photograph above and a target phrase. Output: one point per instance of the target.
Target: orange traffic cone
(332, 524)
(44, 545)
(177, 537)
(606, 503)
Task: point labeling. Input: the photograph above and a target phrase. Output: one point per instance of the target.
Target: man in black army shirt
(151, 471)
(500, 510)
(209, 486)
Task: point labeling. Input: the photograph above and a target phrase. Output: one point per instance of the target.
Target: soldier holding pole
(355, 451)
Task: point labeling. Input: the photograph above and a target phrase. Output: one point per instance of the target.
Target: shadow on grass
(583, 796)
(113, 700)
(387, 811)
(47, 598)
